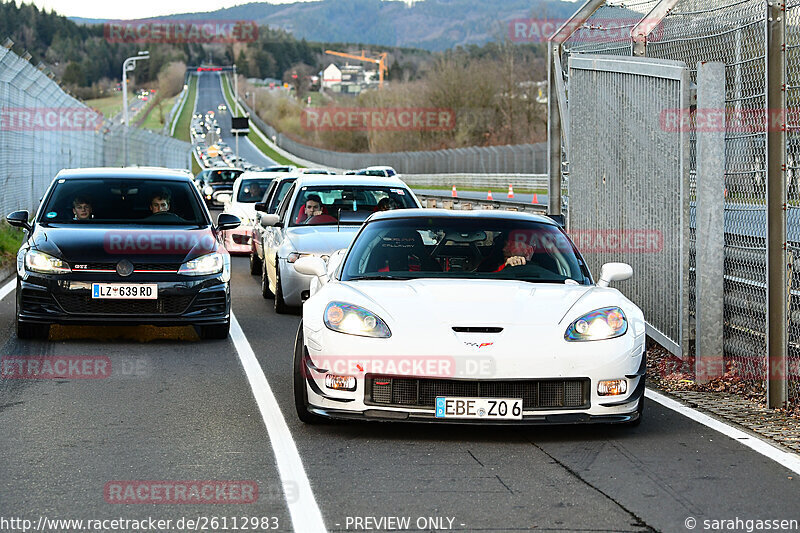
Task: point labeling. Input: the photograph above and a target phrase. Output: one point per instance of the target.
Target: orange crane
(380, 61)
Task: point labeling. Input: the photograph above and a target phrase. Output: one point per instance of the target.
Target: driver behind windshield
(82, 208)
(160, 201)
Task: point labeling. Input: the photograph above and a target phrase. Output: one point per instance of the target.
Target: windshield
(283, 188)
(123, 201)
(223, 176)
(252, 190)
(449, 247)
(323, 204)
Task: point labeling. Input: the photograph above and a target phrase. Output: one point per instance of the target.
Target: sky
(116, 9)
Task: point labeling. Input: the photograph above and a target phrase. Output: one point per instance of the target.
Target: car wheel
(32, 331)
(280, 305)
(300, 391)
(215, 332)
(255, 264)
(265, 292)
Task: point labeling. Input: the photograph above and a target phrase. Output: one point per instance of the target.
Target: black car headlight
(204, 265)
(355, 320)
(600, 324)
(36, 261)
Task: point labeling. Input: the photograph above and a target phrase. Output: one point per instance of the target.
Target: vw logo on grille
(124, 268)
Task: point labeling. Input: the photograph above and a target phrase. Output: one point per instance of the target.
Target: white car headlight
(355, 320)
(600, 324)
(36, 261)
(204, 265)
(208, 190)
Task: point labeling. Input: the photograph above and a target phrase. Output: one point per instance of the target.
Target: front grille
(422, 392)
(86, 305)
(477, 329)
(138, 267)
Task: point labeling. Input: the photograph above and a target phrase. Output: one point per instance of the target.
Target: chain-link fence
(733, 32)
(43, 129)
(514, 159)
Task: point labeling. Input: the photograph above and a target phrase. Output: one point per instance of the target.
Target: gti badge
(124, 268)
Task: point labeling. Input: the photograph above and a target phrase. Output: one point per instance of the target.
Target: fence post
(710, 222)
(777, 288)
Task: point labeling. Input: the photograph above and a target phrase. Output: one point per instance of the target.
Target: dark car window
(283, 188)
(337, 198)
(284, 204)
(123, 201)
(450, 247)
(252, 190)
(223, 176)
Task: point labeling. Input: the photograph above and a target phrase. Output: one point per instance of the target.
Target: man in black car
(160, 201)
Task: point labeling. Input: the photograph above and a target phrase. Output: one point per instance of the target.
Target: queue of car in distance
(123, 246)
(433, 316)
(339, 205)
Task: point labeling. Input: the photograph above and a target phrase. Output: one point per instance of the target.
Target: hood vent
(476, 329)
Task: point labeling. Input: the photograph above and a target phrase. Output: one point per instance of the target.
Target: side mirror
(614, 272)
(261, 206)
(270, 220)
(227, 221)
(18, 219)
(311, 265)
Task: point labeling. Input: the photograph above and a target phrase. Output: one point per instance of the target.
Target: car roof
(257, 174)
(497, 214)
(124, 173)
(342, 179)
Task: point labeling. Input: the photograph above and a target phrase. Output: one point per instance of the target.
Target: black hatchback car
(114, 246)
(212, 182)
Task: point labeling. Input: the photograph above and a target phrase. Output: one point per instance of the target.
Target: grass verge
(10, 240)
(185, 117)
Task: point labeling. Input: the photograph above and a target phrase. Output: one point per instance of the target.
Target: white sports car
(454, 316)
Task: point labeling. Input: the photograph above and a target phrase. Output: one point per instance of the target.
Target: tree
(73, 74)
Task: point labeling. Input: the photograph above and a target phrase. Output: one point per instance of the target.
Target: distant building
(331, 76)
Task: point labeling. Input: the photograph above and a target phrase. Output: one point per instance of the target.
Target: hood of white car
(321, 239)
(242, 210)
(471, 303)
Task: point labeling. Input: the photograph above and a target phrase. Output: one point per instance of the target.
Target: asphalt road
(177, 408)
(209, 96)
(526, 198)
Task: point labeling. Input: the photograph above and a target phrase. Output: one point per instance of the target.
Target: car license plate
(481, 408)
(125, 291)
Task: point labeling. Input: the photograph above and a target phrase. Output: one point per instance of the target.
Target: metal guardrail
(490, 181)
(468, 204)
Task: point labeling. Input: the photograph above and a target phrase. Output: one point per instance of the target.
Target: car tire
(265, 292)
(280, 305)
(255, 264)
(215, 331)
(300, 391)
(32, 331)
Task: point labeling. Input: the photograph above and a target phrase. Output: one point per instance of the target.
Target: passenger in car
(515, 252)
(82, 208)
(313, 207)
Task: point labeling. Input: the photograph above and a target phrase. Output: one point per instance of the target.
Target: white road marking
(762, 446)
(303, 508)
(8, 288)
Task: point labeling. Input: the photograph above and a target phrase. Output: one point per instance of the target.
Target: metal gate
(629, 181)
